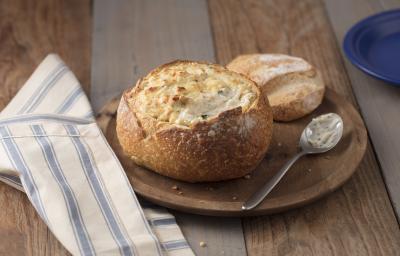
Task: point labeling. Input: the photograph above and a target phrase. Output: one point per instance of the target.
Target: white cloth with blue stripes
(52, 149)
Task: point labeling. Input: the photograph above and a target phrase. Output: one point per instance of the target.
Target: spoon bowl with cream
(321, 135)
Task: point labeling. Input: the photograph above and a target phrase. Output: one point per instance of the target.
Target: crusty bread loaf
(195, 122)
(294, 87)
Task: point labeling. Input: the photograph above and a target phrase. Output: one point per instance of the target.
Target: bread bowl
(195, 122)
(293, 86)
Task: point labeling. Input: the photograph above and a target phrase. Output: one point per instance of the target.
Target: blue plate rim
(354, 58)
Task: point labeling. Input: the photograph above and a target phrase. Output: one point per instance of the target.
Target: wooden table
(109, 44)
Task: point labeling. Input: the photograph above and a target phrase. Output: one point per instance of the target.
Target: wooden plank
(132, 37)
(379, 102)
(220, 235)
(358, 218)
(29, 30)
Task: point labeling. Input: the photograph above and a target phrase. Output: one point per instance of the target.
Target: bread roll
(293, 87)
(195, 122)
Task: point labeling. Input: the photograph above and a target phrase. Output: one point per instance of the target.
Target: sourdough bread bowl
(195, 122)
(293, 86)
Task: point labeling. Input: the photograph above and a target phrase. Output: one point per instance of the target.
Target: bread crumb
(211, 133)
(203, 244)
(247, 176)
(309, 170)
(327, 157)
(175, 187)
(234, 198)
(180, 193)
(279, 144)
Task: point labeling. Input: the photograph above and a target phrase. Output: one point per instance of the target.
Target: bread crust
(227, 146)
(288, 107)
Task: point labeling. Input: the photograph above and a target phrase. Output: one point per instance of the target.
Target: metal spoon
(308, 146)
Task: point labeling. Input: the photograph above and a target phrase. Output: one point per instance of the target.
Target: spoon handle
(259, 195)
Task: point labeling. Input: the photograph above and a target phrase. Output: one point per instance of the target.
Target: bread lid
(293, 87)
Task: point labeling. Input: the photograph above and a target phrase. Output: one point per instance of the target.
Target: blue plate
(373, 45)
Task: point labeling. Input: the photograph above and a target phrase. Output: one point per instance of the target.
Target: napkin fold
(52, 149)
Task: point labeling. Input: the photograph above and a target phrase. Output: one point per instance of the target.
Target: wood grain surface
(358, 219)
(29, 30)
(130, 37)
(220, 235)
(379, 101)
(308, 180)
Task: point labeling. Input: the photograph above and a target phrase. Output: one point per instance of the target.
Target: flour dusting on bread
(281, 64)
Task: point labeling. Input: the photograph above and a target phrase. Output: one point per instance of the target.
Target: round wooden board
(309, 179)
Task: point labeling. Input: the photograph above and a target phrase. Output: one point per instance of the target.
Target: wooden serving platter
(309, 179)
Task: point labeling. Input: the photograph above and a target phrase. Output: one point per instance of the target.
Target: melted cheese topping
(186, 93)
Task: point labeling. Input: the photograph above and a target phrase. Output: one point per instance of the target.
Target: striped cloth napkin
(52, 149)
